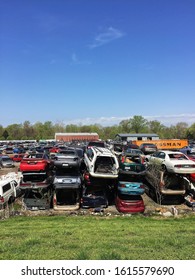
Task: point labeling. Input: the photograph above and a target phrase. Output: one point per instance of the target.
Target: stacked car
(67, 180)
(130, 187)
(37, 182)
(169, 173)
(68, 176)
(100, 177)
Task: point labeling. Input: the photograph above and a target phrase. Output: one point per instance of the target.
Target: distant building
(136, 136)
(67, 137)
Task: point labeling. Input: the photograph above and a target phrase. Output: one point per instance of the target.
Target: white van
(9, 190)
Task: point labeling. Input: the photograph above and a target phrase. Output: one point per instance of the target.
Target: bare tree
(155, 176)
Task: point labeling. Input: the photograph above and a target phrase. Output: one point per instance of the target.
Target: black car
(94, 198)
(67, 158)
(96, 144)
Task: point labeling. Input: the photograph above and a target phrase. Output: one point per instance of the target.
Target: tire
(11, 200)
(164, 168)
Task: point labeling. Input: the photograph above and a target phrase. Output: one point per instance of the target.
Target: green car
(132, 162)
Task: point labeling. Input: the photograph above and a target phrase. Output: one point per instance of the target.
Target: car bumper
(141, 173)
(66, 186)
(131, 191)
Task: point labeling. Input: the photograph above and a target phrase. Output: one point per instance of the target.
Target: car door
(158, 158)
(152, 158)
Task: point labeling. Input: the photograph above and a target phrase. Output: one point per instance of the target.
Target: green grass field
(97, 238)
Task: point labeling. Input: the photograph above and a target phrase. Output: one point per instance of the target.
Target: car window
(97, 144)
(68, 152)
(6, 159)
(161, 155)
(6, 187)
(177, 156)
(90, 154)
(14, 183)
(190, 153)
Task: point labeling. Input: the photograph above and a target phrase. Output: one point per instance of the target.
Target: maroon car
(129, 203)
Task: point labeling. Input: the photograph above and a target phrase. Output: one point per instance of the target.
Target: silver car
(6, 161)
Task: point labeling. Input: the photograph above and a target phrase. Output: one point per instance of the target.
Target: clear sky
(97, 61)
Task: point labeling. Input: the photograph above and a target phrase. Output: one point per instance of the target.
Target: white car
(101, 162)
(9, 188)
(171, 161)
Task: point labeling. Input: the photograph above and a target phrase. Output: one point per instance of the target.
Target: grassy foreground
(97, 238)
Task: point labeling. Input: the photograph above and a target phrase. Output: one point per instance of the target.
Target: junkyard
(96, 179)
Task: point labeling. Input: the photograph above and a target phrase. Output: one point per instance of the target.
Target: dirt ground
(151, 207)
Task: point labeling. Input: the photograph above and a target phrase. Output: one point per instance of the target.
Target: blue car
(188, 149)
(131, 188)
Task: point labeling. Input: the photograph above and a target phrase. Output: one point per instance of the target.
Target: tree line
(136, 124)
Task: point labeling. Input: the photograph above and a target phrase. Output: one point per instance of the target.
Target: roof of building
(74, 133)
(136, 134)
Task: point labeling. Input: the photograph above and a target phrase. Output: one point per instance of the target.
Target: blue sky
(97, 61)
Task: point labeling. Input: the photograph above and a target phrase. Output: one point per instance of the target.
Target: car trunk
(105, 165)
(37, 199)
(66, 199)
(36, 180)
(93, 197)
(129, 203)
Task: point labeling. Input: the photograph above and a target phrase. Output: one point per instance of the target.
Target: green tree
(156, 127)
(5, 134)
(15, 131)
(125, 126)
(190, 134)
(59, 127)
(28, 131)
(138, 124)
(181, 130)
(48, 130)
(39, 130)
(72, 128)
(1, 132)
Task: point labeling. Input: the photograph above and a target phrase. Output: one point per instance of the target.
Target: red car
(54, 150)
(129, 203)
(191, 155)
(36, 162)
(18, 157)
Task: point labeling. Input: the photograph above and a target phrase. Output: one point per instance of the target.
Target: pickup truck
(9, 188)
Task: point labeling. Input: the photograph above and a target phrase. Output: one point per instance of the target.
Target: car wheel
(164, 168)
(11, 200)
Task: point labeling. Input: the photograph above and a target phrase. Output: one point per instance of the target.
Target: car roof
(148, 144)
(102, 151)
(170, 152)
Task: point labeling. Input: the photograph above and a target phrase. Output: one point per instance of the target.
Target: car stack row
(37, 181)
(67, 177)
(72, 177)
